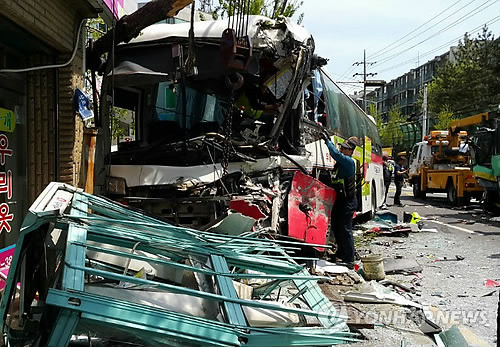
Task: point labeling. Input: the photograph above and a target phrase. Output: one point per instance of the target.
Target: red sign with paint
(310, 203)
(5, 184)
(5, 260)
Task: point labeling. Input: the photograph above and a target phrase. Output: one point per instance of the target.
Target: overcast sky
(343, 28)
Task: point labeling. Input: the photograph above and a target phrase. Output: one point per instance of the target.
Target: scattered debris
(323, 266)
(425, 325)
(489, 293)
(233, 224)
(399, 285)
(491, 284)
(451, 338)
(457, 258)
(429, 230)
(372, 292)
(401, 266)
(387, 216)
(438, 294)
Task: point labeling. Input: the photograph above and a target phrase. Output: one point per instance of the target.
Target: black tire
(417, 190)
(490, 200)
(467, 198)
(451, 194)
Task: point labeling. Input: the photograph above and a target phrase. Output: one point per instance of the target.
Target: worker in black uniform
(399, 175)
(344, 183)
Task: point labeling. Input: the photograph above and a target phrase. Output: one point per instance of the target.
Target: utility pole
(424, 113)
(365, 75)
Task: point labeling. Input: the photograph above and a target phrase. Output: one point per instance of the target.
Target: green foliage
(396, 119)
(96, 28)
(271, 9)
(472, 83)
(390, 131)
(445, 117)
(118, 116)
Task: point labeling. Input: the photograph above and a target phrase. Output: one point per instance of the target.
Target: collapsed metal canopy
(88, 266)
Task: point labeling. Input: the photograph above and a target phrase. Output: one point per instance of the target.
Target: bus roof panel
(213, 30)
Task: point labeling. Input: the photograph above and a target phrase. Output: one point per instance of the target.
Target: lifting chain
(228, 132)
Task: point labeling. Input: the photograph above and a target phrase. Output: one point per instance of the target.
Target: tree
(390, 131)
(271, 9)
(119, 116)
(96, 28)
(380, 123)
(394, 123)
(445, 117)
(472, 82)
(129, 27)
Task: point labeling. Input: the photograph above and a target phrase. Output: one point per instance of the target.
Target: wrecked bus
(222, 117)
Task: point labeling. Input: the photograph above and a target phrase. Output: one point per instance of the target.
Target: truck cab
(420, 155)
(442, 164)
(486, 160)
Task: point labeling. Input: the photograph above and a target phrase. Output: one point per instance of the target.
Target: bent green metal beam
(199, 294)
(146, 320)
(159, 237)
(197, 269)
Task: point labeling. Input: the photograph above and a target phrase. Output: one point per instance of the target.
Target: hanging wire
(242, 15)
(191, 57)
(248, 16)
(235, 17)
(229, 5)
(54, 66)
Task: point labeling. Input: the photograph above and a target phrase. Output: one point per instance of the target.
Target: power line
(411, 32)
(477, 29)
(350, 79)
(415, 36)
(348, 71)
(432, 26)
(460, 20)
(467, 16)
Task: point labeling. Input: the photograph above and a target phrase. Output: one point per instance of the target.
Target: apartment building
(403, 91)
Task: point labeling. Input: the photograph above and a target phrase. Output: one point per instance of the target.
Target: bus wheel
(451, 194)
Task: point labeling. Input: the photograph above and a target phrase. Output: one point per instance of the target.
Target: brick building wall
(50, 92)
(52, 21)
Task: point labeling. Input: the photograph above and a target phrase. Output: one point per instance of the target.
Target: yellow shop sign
(7, 120)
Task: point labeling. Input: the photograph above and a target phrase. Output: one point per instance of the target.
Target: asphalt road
(454, 287)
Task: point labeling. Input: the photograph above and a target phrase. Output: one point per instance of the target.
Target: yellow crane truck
(442, 163)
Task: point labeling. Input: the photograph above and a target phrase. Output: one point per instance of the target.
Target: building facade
(42, 49)
(403, 91)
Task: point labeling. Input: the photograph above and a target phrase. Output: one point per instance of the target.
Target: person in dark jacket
(399, 175)
(388, 170)
(344, 183)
